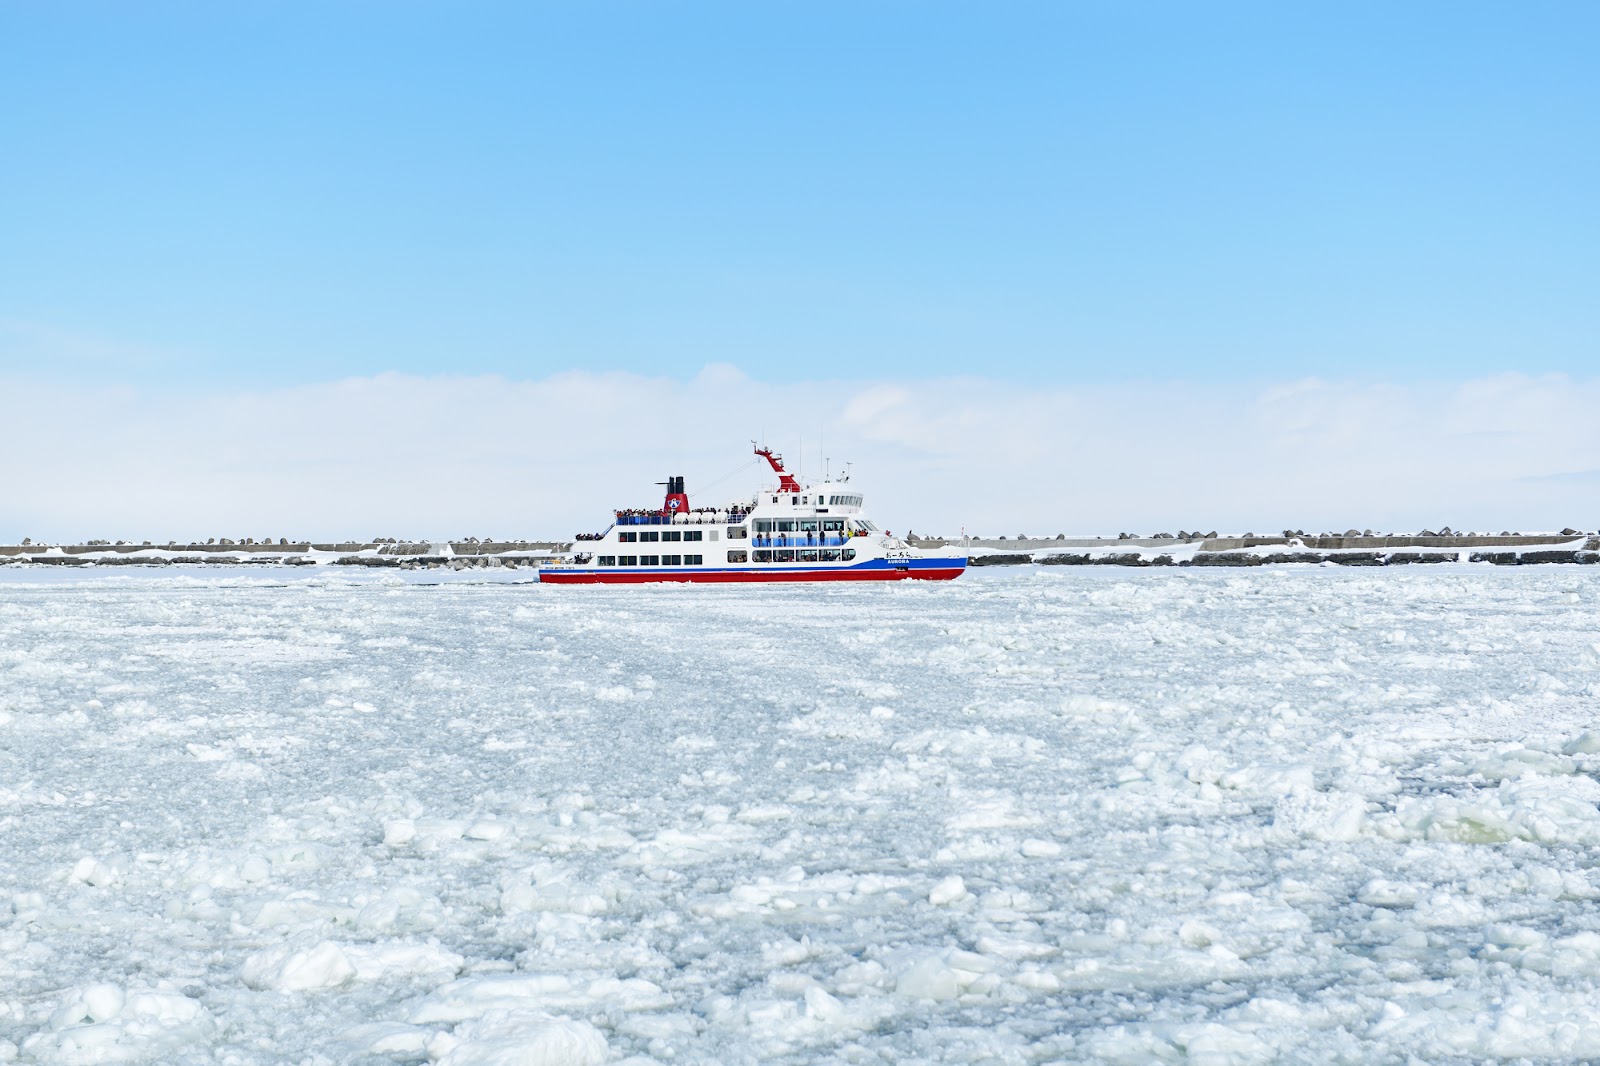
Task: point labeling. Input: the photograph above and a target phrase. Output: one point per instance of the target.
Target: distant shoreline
(456, 555)
(1511, 550)
(1569, 546)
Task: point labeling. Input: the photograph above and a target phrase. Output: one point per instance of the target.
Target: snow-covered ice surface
(1049, 814)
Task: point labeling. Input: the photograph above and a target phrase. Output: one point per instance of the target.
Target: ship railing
(701, 518)
(711, 518)
(790, 540)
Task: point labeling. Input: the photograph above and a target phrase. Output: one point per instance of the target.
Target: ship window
(783, 556)
(672, 560)
(808, 525)
(737, 533)
(672, 534)
(627, 538)
(649, 560)
(763, 557)
(607, 560)
(739, 556)
(833, 525)
(693, 560)
(763, 525)
(847, 554)
(713, 535)
(830, 555)
(693, 534)
(808, 556)
(793, 500)
(650, 535)
(785, 525)
(774, 499)
(627, 560)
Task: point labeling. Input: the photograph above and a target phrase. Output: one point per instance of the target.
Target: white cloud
(449, 456)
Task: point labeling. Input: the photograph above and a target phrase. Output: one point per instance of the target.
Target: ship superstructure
(787, 532)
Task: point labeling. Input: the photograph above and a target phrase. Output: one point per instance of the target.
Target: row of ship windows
(799, 555)
(833, 501)
(799, 525)
(654, 535)
(836, 526)
(778, 555)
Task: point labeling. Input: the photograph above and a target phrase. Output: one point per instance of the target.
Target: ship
(786, 532)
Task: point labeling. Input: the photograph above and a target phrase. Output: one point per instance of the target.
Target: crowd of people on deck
(735, 513)
(809, 538)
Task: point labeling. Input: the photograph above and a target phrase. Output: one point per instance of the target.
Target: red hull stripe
(623, 577)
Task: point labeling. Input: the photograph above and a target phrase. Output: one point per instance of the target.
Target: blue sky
(259, 195)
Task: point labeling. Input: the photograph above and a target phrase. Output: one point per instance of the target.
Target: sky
(1093, 252)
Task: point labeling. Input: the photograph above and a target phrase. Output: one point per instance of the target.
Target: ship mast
(786, 481)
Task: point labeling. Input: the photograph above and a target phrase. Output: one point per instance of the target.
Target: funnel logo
(673, 504)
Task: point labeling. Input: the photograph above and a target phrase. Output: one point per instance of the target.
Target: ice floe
(1038, 815)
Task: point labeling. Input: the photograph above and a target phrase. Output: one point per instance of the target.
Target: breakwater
(1571, 547)
(457, 555)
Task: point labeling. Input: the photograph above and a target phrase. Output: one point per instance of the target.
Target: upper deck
(772, 510)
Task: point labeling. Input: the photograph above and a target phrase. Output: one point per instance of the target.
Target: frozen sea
(1037, 815)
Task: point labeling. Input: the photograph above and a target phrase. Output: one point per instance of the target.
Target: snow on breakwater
(1189, 550)
(1341, 551)
(387, 554)
(1075, 814)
